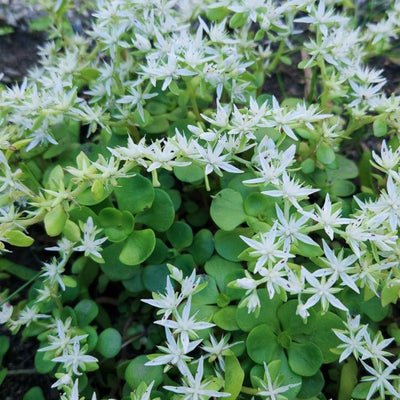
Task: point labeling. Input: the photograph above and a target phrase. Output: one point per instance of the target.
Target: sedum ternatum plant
(202, 233)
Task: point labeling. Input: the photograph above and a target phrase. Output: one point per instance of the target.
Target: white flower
(327, 217)
(291, 190)
(168, 302)
(290, 229)
(90, 245)
(175, 351)
(266, 248)
(193, 388)
(271, 389)
(321, 291)
(185, 324)
(380, 379)
(75, 358)
(353, 338)
(338, 267)
(5, 312)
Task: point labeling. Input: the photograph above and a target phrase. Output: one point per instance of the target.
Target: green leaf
(202, 247)
(54, 221)
(180, 235)
(221, 270)
(138, 247)
(348, 379)
(3, 375)
(347, 169)
(217, 14)
(311, 386)
(113, 268)
(209, 294)
(20, 271)
(261, 344)
(234, 377)
(109, 343)
(87, 199)
(161, 214)
(118, 225)
(227, 209)
(159, 124)
(34, 393)
(324, 337)
(226, 319)
(190, 173)
(229, 245)
(361, 390)
(390, 294)
(86, 311)
(18, 238)
(256, 204)
(134, 194)
(305, 359)
(293, 323)
(308, 166)
(325, 154)
(342, 188)
(155, 277)
(379, 127)
(237, 20)
(137, 372)
(43, 364)
(374, 310)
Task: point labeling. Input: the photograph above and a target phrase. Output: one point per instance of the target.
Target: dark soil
(18, 53)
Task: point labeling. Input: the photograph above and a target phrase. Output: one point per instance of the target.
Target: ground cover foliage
(199, 235)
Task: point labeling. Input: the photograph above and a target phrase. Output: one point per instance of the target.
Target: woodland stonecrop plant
(149, 166)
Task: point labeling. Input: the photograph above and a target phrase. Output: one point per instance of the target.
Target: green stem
(249, 390)
(192, 96)
(26, 371)
(20, 289)
(277, 57)
(312, 85)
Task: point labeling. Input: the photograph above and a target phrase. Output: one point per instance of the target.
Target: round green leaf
(87, 199)
(234, 376)
(304, 359)
(54, 221)
(134, 194)
(189, 173)
(256, 204)
(261, 344)
(155, 277)
(209, 294)
(161, 214)
(109, 343)
(43, 363)
(137, 372)
(18, 238)
(34, 393)
(324, 337)
(86, 311)
(114, 269)
(227, 209)
(325, 154)
(180, 235)
(225, 319)
(220, 268)
(202, 247)
(229, 245)
(138, 247)
(379, 127)
(311, 386)
(308, 166)
(342, 188)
